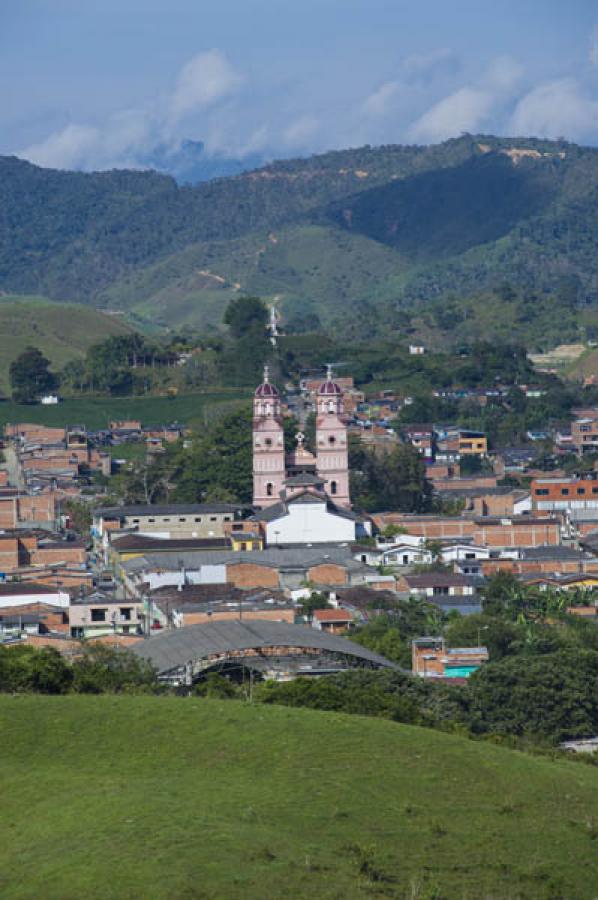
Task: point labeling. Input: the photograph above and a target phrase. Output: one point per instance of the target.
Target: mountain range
(475, 237)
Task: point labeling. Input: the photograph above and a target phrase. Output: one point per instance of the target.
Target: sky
(94, 84)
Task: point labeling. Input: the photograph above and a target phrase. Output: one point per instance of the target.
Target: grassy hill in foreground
(62, 331)
(123, 797)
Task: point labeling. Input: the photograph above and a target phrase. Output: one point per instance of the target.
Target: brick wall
(250, 575)
(517, 534)
(63, 553)
(269, 615)
(328, 573)
(9, 554)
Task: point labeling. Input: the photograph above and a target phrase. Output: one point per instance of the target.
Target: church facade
(278, 476)
(303, 497)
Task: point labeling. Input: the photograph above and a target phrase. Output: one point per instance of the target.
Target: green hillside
(97, 411)
(61, 331)
(126, 797)
(367, 241)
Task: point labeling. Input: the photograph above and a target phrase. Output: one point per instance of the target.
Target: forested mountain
(418, 239)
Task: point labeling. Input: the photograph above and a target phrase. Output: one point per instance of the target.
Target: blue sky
(98, 83)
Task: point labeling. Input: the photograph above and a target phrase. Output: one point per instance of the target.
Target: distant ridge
(369, 239)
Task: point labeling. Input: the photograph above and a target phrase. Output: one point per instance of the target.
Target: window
(165, 519)
(269, 489)
(470, 556)
(243, 545)
(226, 519)
(125, 613)
(364, 558)
(332, 440)
(182, 520)
(151, 520)
(238, 526)
(595, 490)
(268, 442)
(198, 518)
(581, 490)
(333, 487)
(98, 615)
(541, 492)
(405, 559)
(440, 590)
(135, 521)
(565, 492)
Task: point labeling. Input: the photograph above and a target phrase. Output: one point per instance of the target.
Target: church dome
(329, 388)
(266, 389)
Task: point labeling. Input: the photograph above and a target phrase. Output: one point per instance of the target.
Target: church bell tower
(268, 445)
(331, 441)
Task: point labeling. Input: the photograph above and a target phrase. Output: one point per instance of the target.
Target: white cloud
(381, 100)
(426, 66)
(464, 110)
(298, 134)
(206, 78)
(66, 149)
(126, 138)
(503, 74)
(556, 108)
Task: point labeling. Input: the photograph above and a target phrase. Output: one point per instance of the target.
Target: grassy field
(95, 412)
(61, 331)
(143, 797)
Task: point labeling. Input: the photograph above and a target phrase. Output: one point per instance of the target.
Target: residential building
(431, 658)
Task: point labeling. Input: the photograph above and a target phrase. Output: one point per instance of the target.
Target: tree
(245, 314)
(25, 668)
(102, 669)
(395, 480)
(30, 376)
(79, 514)
(554, 695)
(313, 602)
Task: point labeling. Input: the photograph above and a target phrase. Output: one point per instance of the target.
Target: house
(416, 349)
(17, 593)
(285, 568)
(552, 494)
(335, 621)
(422, 438)
(584, 433)
(177, 607)
(97, 614)
(175, 520)
(436, 584)
(431, 658)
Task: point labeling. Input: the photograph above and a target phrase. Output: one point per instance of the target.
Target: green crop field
(147, 797)
(62, 331)
(95, 412)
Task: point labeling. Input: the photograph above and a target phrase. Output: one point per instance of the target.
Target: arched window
(333, 487)
(331, 406)
(332, 440)
(268, 442)
(269, 489)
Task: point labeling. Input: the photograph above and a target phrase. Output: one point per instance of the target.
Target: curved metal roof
(171, 649)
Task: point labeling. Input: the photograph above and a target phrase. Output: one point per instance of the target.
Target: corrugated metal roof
(176, 648)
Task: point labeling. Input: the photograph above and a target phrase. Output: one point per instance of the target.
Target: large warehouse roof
(176, 648)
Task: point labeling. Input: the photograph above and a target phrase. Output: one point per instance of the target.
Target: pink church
(279, 477)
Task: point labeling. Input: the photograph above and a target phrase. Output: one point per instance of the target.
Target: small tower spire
(329, 372)
(266, 374)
